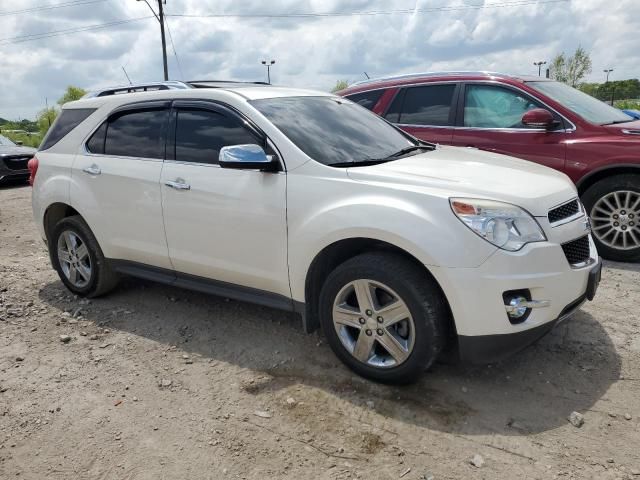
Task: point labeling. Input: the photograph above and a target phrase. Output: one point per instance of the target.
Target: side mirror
(538, 118)
(246, 157)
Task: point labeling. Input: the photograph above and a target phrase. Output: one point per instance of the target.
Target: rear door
(489, 118)
(116, 183)
(222, 224)
(426, 111)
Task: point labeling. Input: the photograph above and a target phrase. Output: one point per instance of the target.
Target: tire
(605, 203)
(93, 277)
(387, 275)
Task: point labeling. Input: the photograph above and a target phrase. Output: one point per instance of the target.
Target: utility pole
(607, 71)
(268, 65)
(539, 65)
(160, 17)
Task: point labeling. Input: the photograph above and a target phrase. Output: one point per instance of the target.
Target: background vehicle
(532, 118)
(13, 160)
(633, 113)
(272, 195)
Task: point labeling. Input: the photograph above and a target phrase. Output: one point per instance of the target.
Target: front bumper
(14, 167)
(484, 331)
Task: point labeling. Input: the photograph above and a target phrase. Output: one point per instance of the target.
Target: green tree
(340, 85)
(46, 118)
(72, 93)
(571, 69)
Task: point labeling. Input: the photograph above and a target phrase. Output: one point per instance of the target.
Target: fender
(611, 169)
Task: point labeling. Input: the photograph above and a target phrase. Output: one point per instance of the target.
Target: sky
(342, 41)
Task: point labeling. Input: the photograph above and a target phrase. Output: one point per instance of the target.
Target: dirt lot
(162, 383)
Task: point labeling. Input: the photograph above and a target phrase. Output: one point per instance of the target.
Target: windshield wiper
(619, 121)
(410, 149)
(360, 163)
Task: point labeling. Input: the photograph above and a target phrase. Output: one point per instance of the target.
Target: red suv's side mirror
(538, 118)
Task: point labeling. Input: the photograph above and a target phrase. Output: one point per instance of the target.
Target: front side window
(427, 105)
(489, 106)
(333, 131)
(138, 133)
(200, 134)
(366, 99)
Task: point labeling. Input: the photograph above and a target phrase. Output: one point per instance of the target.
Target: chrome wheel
(373, 323)
(74, 259)
(615, 219)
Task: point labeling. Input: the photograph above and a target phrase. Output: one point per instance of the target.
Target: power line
(173, 46)
(57, 33)
(515, 3)
(50, 7)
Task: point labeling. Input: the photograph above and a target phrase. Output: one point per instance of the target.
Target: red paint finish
(586, 152)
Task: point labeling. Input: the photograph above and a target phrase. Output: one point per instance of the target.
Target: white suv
(305, 201)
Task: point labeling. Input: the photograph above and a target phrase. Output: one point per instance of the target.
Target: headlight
(506, 226)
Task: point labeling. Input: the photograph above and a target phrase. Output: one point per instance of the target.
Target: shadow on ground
(569, 369)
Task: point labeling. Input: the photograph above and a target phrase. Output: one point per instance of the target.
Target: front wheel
(613, 204)
(383, 316)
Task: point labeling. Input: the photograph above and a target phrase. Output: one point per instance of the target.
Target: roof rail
(428, 74)
(139, 87)
(222, 83)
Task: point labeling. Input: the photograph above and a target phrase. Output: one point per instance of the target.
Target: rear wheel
(613, 204)
(78, 259)
(383, 316)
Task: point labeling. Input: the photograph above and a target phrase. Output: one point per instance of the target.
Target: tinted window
(137, 134)
(96, 142)
(393, 114)
(366, 99)
(428, 105)
(488, 106)
(68, 119)
(200, 134)
(331, 131)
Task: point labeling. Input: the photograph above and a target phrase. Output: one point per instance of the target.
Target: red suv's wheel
(614, 207)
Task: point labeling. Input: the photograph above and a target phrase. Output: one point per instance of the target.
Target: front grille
(17, 162)
(577, 251)
(564, 211)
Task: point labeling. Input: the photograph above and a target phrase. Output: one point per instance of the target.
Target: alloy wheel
(373, 323)
(74, 259)
(615, 218)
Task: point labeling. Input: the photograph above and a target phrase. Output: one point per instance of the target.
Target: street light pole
(268, 65)
(539, 65)
(607, 71)
(160, 17)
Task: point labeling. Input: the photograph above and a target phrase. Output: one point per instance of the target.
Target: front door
(425, 111)
(222, 224)
(490, 119)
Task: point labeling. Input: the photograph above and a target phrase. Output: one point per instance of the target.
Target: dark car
(13, 160)
(533, 118)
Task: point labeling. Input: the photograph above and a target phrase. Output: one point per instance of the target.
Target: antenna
(126, 75)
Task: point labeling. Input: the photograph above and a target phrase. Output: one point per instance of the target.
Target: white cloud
(308, 52)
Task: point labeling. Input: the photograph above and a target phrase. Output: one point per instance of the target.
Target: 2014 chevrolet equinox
(308, 202)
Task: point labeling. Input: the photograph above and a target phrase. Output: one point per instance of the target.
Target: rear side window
(68, 119)
(427, 105)
(367, 99)
(200, 134)
(139, 133)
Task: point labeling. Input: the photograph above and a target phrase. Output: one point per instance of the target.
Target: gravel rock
(65, 338)
(19, 359)
(576, 419)
(477, 461)
(291, 401)
(627, 416)
(165, 383)
(262, 414)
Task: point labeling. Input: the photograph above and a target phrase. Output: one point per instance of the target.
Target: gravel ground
(153, 382)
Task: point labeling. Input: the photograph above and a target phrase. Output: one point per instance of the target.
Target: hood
(16, 150)
(455, 171)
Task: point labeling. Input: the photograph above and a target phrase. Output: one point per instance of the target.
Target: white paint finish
(230, 225)
(122, 206)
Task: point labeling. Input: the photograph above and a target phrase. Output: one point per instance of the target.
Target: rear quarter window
(366, 99)
(67, 120)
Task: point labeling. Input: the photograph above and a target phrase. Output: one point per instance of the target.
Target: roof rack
(428, 74)
(139, 87)
(222, 83)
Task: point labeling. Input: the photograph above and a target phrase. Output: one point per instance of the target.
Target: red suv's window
(423, 105)
(366, 99)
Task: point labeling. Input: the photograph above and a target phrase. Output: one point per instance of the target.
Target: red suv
(532, 118)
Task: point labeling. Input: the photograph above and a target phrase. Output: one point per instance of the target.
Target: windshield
(5, 142)
(589, 108)
(333, 130)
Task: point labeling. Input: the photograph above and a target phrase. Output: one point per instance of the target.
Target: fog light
(517, 310)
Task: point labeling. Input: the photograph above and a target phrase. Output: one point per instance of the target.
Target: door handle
(92, 170)
(178, 184)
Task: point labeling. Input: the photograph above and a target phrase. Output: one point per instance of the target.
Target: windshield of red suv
(334, 131)
(589, 108)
